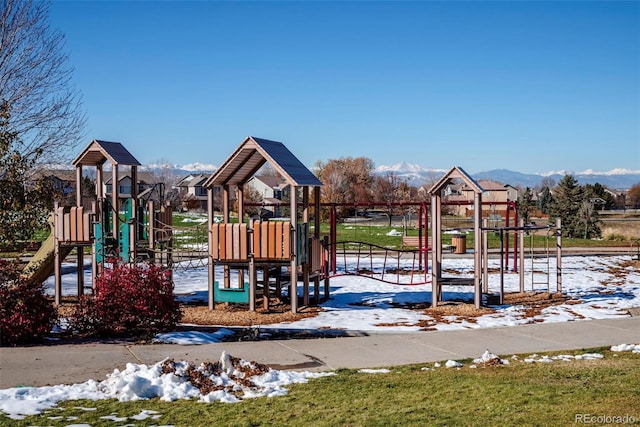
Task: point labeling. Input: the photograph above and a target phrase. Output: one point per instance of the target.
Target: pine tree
(544, 200)
(525, 205)
(573, 204)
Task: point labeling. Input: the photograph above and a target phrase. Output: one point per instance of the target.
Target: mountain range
(620, 179)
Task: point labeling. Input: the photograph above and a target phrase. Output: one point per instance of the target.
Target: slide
(41, 265)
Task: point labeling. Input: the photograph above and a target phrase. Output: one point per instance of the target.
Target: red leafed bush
(129, 300)
(26, 315)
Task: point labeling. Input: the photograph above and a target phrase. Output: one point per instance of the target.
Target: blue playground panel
(236, 295)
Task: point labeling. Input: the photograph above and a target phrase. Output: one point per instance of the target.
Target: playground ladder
(540, 277)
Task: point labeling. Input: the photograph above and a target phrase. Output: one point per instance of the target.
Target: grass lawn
(518, 394)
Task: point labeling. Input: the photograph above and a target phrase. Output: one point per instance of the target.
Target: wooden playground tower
(480, 280)
(279, 250)
(437, 279)
(100, 226)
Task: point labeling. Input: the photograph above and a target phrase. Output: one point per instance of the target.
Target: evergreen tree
(525, 205)
(573, 204)
(544, 200)
(24, 205)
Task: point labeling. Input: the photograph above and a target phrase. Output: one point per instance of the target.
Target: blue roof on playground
(252, 154)
(98, 152)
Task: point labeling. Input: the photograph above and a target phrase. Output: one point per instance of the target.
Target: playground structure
(271, 255)
(480, 280)
(282, 251)
(100, 226)
(539, 263)
(408, 266)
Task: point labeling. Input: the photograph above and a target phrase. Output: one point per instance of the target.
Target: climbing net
(181, 247)
(393, 266)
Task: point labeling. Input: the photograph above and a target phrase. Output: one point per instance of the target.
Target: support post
(80, 249)
(114, 201)
(293, 291)
(436, 250)
(477, 215)
(558, 255)
(485, 258)
(305, 262)
(521, 255)
(225, 204)
(56, 255)
(133, 234)
(210, 266)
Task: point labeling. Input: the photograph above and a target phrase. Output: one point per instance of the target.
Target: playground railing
(272, 240)
(72, 225)
(229, 242)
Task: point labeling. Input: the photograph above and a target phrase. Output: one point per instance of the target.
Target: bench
(414, 242)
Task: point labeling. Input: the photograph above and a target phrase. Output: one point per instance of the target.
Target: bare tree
(35, 81)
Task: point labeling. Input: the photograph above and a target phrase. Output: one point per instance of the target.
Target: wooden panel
(236, 241)
(59, 224)
(222, 241)
(86, 218)
(278, 240)
(73, 220)
(73, 224)
(80, 224)
(213, 250)
(264, 243)
(286, 249)
(316, 254)
(244, 254)
(66, 227)
(229, 241)
(271, 254)
(257, 237)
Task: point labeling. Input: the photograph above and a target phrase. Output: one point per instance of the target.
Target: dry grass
(621, 230)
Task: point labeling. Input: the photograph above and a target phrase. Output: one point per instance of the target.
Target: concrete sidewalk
(74, 363)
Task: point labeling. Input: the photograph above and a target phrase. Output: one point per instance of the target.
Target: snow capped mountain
(618, 171)
(615, 178)
(197, 167)
(189, 168)
(414, 174)
(402, 167)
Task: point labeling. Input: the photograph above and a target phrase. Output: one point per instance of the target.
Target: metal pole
(501, 267)
(559, 255)
(332, 235)
(515, 238)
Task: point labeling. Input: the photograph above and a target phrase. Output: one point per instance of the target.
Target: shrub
(129, 300)
(26, 315)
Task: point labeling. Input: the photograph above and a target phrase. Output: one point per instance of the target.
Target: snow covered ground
(597, 287)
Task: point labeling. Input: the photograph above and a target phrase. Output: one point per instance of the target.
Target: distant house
(145, 182)
(494, 191)
(619, 196)
(63, 181)
(192, 191)
(271, 190)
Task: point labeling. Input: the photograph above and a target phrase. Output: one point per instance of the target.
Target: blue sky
(527, 86)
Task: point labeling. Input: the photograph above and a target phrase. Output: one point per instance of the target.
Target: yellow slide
(42, 265)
